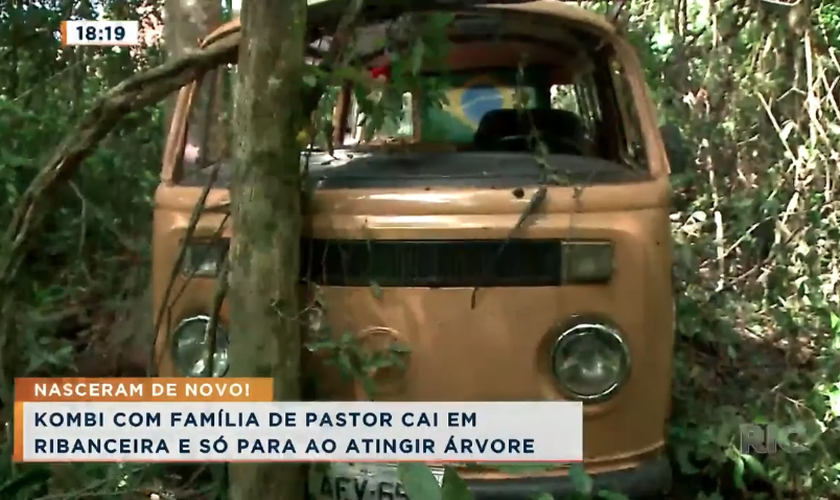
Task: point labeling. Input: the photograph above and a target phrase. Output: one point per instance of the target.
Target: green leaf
(453, 487)
(738, 472)
(754, 465)
(732, 351)
(344, 362)
(378, 360)
(580, 479)
(417, 56)
(419, 482)
(439, 21)
(368, 386)
(310, 80)
(542, 496)
(376, 290)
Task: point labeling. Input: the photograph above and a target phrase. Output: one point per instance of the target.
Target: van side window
(633, 144)
(208, 139)
(393, 126)
(582, 99)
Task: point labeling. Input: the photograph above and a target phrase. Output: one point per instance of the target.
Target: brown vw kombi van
(520, 248)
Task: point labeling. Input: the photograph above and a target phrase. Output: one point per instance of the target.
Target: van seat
(555, 126)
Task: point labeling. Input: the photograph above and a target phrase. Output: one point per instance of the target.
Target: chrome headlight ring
(190, 350)
(590, 360)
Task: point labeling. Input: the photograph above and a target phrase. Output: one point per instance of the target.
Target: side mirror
(676, 148)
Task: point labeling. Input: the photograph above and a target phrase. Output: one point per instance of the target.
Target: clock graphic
(100, 33)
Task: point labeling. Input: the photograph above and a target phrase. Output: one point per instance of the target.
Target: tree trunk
(185, 23)
(265, 198)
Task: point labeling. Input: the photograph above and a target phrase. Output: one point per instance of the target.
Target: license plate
(359, 482)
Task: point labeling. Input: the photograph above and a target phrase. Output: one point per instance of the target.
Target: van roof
(323, 12)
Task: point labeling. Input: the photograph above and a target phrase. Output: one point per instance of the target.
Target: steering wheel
(527, 142)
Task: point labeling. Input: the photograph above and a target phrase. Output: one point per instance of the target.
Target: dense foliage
(754, 88)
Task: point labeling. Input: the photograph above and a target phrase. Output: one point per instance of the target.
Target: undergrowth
(756, 266)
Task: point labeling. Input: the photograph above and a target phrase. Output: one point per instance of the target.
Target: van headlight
(587, 261)
(191, 348)
(590, 360)
(204, 258)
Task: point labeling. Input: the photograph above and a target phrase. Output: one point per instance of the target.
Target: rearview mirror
(676, 148)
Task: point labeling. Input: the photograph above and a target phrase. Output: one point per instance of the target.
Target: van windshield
(493, 112)
(509, 109)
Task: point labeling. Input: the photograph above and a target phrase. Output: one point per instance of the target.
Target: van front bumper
(651, 478)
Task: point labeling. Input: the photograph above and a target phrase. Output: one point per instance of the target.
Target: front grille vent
(431, 263)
